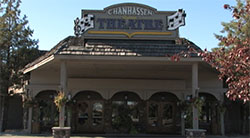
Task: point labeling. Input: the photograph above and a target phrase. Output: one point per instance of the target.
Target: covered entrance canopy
(108, 75)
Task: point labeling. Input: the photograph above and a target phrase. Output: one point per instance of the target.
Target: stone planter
(195, 133)
(61, 132)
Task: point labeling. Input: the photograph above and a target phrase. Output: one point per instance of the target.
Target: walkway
(19, 135)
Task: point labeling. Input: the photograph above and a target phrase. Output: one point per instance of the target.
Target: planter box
(61, 132)
(195, 133)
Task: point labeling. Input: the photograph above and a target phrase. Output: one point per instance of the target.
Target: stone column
(222, 124)
(195, 94)
(68, 118)
(61, 131)
(61, 116)
(143, 116)
(107, 116)
(29, 120)
(25, 118)
(63, 87)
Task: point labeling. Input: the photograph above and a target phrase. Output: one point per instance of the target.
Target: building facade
(120, 76)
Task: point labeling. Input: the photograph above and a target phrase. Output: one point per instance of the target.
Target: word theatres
(140, 24)
(130, 10)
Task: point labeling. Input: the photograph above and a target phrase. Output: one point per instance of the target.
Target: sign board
(129, 21)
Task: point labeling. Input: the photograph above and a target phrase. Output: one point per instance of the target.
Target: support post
(222, 123)
(182, 124)
(61, 131)
(195, 94)
(30, 120)
(61, 116)
(68, 119)
(63, 85)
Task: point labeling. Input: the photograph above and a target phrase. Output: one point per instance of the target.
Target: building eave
(120, 58)
(39, 64)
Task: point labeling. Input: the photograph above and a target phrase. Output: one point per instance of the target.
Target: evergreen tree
(231, 58)
(17, 48)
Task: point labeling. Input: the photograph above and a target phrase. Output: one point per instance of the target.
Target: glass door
(87, 112)
(90, 116)
(168, 116)
(125, 116)
(82, 115)
(160, 117)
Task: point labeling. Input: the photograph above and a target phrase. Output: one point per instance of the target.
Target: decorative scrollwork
(83, 24)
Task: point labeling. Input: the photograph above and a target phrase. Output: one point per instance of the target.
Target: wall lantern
(197, 92)
(51, 96)
(203, 98)
(125, 97)
(188, 97)
(162, 98)
(69, 96)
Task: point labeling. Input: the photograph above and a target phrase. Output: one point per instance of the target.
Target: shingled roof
(103, 47)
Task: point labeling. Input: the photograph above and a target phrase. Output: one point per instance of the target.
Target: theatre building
(121, 74)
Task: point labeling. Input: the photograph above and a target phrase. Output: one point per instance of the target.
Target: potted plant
(60, 100)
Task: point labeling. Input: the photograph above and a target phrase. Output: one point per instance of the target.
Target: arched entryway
(45, 113)
(87, 112)
(209, 116)
(162, 113)
(126, 117)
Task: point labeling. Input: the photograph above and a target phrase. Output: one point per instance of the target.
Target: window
(83, 113)
(167, 117)
(153, 114)
(97, 114)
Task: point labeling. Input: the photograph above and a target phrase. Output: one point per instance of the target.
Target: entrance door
(161, 117)
(89, 116)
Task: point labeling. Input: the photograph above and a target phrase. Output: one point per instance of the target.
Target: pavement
(23, 135)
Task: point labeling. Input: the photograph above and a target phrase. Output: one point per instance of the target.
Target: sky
(53, 20)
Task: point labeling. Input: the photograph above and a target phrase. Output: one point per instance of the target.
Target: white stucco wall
(50, 77)
(178, 82)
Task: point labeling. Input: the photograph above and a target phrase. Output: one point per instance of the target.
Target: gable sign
(129, 21)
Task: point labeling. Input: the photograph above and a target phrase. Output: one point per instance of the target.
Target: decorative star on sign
(83, 24)
(176, 20)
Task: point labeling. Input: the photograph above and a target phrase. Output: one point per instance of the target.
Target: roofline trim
(39, 64)
(77, 57)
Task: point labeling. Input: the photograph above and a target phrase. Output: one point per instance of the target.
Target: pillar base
(195, 133)
(61, 132)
